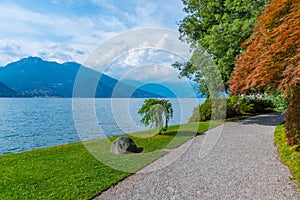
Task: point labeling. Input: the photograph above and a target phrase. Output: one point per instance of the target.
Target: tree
(272, 60)
(203, 71)
(156, 117)
(153, 111)
(219, 26)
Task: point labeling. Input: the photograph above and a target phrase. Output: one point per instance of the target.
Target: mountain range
(180, 89)
(34, 77)
(6, 91)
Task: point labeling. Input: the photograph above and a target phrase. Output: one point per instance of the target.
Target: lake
(31, 123)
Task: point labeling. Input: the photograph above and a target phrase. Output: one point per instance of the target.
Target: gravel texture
(243, 164)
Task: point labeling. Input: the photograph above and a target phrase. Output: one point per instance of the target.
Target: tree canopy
(220, 26)
(153, 111)
(272, 59)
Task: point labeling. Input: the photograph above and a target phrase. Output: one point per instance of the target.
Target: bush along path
(244, 164)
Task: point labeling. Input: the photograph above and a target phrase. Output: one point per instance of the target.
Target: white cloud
(35, 32)
(133, 58)
(147, 15)
(105, 4)
(13, 50)
(146, 65)
(156, 13)
(158, 73)
(62, 37)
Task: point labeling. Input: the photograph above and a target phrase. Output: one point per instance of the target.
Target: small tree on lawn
(156, 117)
(153, 112)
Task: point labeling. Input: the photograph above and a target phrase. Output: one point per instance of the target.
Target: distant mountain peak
(34, 77)
(72, 63)
(31, 60)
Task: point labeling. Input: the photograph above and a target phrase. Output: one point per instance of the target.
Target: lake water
(31, 123)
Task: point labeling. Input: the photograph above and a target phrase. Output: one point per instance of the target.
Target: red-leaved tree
(272, 59)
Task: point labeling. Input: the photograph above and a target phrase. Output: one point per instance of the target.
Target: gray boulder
(123, 145)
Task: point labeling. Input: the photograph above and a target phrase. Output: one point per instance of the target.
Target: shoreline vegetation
(70, 171)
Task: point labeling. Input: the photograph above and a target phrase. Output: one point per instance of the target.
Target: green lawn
(79, 170)
(288, 155)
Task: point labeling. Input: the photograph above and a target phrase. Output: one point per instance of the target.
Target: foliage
(219, 26)
(261, 103)
(292, 127)
(272, 59)
(279, 102)
(210, 108)
(202, 112)
(168, 111)
(156, 113)
(153, 111)
(288, 155)
(201, 69)
(262, 106)
(71, 172)
(235, 106)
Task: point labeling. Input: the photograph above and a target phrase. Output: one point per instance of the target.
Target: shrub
(205, 111)
(202, 112)
(262, 105)
(278, 101)
(235, 106)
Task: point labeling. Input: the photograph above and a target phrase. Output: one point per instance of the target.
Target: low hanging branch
(272, 59)
(153, 112)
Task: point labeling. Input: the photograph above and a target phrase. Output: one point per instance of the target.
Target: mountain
(180, 89)
(158, 89)
(34, 77)
(6, 91)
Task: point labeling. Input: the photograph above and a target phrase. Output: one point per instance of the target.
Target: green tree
(218, 26)
(153, 112)
(156, 117)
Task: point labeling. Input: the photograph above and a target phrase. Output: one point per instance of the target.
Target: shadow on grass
(180, 133)
(139, 150)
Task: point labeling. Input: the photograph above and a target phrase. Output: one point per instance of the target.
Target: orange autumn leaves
(272, 58)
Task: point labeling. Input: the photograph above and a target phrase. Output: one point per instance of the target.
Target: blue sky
(68, 30)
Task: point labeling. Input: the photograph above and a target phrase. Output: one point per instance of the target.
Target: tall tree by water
(272, 59)
(218, 26)
(153, 112)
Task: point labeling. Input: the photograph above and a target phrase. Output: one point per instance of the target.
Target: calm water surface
(32, 123)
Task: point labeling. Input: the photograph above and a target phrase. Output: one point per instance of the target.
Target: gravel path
(244, 164)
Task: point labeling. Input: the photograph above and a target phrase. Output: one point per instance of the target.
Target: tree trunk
(166, 124)
(160, 130)
(292, 127)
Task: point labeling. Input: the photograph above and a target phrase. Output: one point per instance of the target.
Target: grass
(288, 155)
(82, 170)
